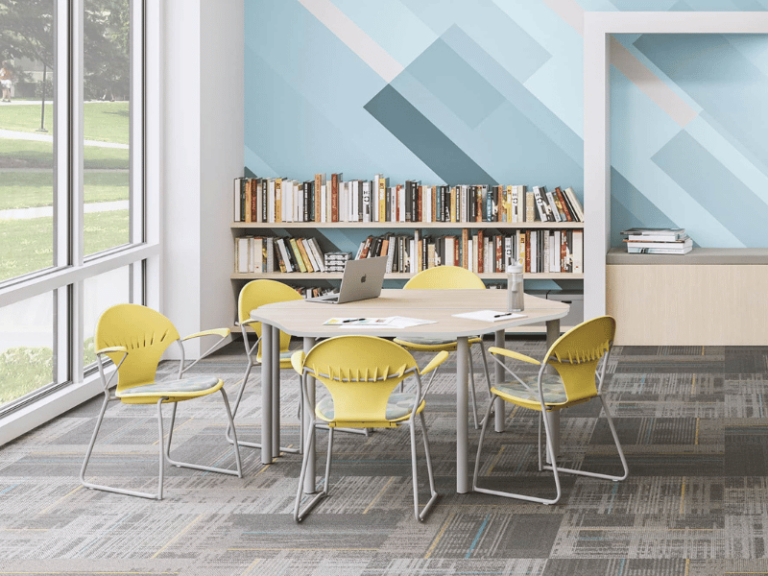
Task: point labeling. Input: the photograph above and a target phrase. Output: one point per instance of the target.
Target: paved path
(14, 135)
(47, 211)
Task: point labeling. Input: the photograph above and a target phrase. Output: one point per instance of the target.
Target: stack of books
(336, 261)
(657, 241)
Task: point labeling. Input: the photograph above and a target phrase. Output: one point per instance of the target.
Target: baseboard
(30, 417)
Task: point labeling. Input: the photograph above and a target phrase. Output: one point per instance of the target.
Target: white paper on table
(489, 315)
(395, 322)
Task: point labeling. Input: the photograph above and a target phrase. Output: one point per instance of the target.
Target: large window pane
(101, 292)
(26, 138)
(27, 355)
(106, 133)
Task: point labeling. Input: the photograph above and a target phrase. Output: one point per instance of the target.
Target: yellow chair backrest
(576, 353)
(446, 278)
(144, 332)
(260, 292)
(360, 372)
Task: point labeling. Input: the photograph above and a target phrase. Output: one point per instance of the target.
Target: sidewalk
(13, 135)
(47, 211)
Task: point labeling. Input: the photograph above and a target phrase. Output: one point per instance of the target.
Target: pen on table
(502, 315)
(352, 320)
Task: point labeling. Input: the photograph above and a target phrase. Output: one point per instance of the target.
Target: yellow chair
(134, 337)
(576, 356)
(254, 294)
(361, 373)
(447, 278)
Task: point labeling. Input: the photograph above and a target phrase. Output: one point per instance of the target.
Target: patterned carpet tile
(691, 421)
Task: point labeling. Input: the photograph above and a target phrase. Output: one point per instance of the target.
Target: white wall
(203, 152)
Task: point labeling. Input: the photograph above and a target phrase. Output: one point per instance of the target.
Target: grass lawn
(103, 121)
(30, 154)
(31, 189)
(27, 245)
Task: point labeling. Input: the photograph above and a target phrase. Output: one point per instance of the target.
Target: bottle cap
(514, 269)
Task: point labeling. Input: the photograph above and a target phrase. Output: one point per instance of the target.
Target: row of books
(278, 200)
(657, 241)
(260, 254)
(539, 251)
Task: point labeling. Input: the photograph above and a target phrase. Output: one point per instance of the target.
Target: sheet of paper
(396, 322)
(489, 315)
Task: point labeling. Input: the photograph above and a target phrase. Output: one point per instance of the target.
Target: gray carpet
(692, 422)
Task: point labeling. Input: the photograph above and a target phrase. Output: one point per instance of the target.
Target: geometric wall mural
(491, 91)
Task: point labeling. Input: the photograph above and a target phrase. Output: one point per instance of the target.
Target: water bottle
(515, 295)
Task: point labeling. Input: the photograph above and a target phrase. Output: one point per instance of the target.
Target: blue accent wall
(490, 91)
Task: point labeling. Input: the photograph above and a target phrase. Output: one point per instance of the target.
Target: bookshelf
(551, 236)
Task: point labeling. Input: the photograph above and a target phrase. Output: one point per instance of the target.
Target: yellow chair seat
(398, 407)
(182, 389)
(432, 344)
(285, 358)
(552, 387)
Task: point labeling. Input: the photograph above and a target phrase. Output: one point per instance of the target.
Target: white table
(306, 319)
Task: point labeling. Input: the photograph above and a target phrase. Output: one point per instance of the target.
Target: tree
(27, 32)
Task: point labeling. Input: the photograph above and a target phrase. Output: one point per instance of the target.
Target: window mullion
(76, 178)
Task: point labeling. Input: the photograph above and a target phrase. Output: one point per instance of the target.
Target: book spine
(550, 197)
(530, 203)
(575, 203)
(382, 198)
(304, 255)
(562, 205)
(464, 248)
(334, 198)
(578, 251)
(480, 252)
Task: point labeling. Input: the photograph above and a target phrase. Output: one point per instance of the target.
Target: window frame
(75, 383)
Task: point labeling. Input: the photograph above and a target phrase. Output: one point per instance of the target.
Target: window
(73, 210)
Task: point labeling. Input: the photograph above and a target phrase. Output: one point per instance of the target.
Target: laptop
(363, 279)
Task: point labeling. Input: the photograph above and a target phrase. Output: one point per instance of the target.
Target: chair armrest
(223, 332)
(512, 354)
(435, 362)
(111, 349)
(297, 361)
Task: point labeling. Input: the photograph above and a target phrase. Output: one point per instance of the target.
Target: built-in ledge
(711, 256)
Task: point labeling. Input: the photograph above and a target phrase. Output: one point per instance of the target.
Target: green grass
(30, 154)
(102, 121)
(27, 245)
(32, 189)
(23, 370)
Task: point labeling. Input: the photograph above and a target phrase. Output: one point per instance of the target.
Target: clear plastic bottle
(515, 294)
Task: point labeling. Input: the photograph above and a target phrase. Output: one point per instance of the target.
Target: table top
(305, 318)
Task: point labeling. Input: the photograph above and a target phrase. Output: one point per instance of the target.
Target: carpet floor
(691, 420)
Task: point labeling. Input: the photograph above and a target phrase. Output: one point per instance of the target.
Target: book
(655, 234)
(678, 244)
(571, 195)
(562, 205)
(638, 250)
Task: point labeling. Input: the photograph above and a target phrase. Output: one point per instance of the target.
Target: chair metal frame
(164, 449)
(251, 354)
(300, 514)
(600, 376)
(443, 270)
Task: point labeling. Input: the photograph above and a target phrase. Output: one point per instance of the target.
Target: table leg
(462, 400)
(266, 394)
(553, 333)
(309, 409)
(275, 391)
(499, 378)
